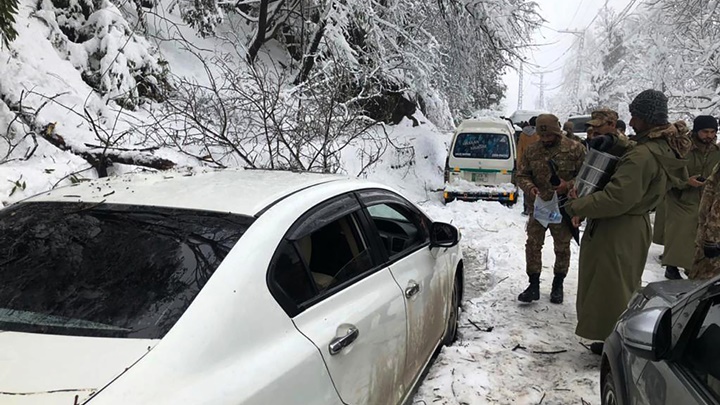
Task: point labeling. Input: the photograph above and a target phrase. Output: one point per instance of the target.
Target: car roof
(485, 124)
(525, 115)
(580, 116)
(238, 191)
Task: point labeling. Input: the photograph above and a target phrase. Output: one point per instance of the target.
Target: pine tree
(8, 9)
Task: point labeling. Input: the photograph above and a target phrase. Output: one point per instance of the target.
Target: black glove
(711, 250)
(603, 143)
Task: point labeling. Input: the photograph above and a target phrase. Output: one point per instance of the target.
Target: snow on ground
(509, 352)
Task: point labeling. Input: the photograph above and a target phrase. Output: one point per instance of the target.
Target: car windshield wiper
(37, 319)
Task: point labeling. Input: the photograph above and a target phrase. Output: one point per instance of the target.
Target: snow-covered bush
(113, 59)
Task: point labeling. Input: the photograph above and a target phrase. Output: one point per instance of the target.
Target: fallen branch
(101, 160)
(518, 346)
(488, 329)
(542, 399)
(550, 352)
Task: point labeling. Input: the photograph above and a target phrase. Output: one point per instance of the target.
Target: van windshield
(482, 146)
(107, 270)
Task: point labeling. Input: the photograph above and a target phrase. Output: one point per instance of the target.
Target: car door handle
(336, 345)
(413, 288)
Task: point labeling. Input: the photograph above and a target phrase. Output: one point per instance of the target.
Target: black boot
(672, 273)
(556, 294)
(532, 293)
(597, 347)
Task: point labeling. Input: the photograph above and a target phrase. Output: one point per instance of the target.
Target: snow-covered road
(508, 352)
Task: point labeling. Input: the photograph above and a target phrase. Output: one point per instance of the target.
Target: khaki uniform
(708, 228)
(615, 244)
(534, 171)
(682, 204)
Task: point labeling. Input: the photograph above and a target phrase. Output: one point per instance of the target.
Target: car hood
(669, 291)
(42, 369)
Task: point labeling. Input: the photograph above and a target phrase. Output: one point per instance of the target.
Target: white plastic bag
(547, 212)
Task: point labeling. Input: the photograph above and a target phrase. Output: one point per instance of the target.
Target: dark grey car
(665, 348)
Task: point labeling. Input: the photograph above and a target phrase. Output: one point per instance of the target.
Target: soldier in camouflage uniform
(707, 241)
(569, 128)
(534, 179)
(606, 137)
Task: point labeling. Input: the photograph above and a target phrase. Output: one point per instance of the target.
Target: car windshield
(104, 270)
(482, 146)
(579, 123)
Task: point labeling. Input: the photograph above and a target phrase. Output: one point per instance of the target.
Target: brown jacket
(524, 141)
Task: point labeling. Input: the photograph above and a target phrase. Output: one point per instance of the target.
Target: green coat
(682, 204)
(659, 225)
(615, 244)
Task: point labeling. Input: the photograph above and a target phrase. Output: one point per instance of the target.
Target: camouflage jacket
(534, 169)
(709, 213)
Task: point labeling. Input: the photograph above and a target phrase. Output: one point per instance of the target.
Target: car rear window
(107, 270)
(482, 146)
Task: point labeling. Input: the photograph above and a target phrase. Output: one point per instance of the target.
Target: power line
(572, 20)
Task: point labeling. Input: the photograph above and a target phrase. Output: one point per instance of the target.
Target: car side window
(401, 230)
(290, 273)
(318, 261)
(336, 253)
(702, 356)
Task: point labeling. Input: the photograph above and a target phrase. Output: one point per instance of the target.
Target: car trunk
(41, 369)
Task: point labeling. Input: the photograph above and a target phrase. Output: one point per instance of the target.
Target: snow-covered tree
(8, 9)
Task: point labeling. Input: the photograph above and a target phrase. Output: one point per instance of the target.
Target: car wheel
(451, 329)
(609, 393)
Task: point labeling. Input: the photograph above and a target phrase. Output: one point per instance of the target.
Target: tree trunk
(310, 54)
(259, 38)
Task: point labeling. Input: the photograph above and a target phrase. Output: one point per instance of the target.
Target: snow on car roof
(485, 123)
(237, 191)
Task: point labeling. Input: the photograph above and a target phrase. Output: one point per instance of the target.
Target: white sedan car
(224, 287)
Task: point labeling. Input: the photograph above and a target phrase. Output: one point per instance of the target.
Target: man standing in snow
(606, 138)
(706, 264)
(534, 178)
(616, 241)
(683, 200)
(528, 136)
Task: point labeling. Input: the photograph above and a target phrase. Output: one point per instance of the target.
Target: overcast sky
(560, 15)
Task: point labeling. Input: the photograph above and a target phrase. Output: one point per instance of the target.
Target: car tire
(609, 392)
(452, 325)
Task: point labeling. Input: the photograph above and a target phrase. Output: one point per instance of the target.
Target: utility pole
(521, 80)
(576, 80)
(541, 86)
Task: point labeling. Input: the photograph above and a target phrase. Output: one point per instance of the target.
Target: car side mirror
(648, 333)
(443, 235)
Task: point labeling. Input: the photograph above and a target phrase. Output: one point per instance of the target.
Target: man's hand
(534, 191)
(572, 194)
(694, 182)
(576, 221)
(563, 187)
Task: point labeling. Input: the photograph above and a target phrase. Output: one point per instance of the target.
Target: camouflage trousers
(703, 267)
(536, 239)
